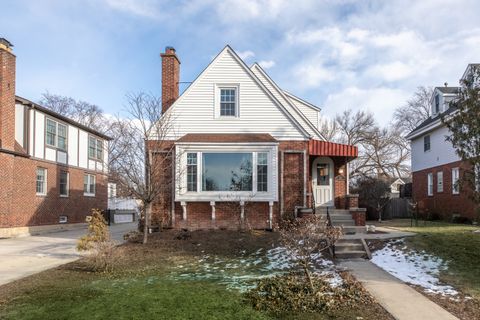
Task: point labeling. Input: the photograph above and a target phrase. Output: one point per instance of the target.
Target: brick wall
(444, 204)
(7, 99)
(28, 209)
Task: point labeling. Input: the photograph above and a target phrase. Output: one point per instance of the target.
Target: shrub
(97, 231)
(103, 257)
(133, 236)
(291, 293)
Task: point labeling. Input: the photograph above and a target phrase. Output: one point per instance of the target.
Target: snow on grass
(242, 271)
(417, 268)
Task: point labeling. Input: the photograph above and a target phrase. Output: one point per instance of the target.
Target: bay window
(217, 173)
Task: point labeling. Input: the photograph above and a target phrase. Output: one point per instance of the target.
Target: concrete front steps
(341, 217)
(351, 249)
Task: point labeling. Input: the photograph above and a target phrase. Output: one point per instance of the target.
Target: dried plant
(305, 239)
(97, 231)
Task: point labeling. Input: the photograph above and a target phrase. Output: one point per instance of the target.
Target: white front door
(322, 178)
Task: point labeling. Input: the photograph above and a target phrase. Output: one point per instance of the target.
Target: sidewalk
(400, 300)
(24, 256)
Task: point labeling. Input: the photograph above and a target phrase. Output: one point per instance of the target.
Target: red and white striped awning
(331, 149)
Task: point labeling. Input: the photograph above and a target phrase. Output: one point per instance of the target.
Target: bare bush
(103, 257)
(306, 238)
(97, 231)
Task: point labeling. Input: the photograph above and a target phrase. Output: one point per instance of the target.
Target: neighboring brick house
(436, 167)
(246, 151)
(52, 169)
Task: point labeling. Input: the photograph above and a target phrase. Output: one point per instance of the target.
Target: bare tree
(85, 113)
(356, 127)
(329, 129)
(145, 165)
(417, 109)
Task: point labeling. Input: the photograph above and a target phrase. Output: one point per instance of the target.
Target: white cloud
(245, 55)
(145, 8)
(266, 64)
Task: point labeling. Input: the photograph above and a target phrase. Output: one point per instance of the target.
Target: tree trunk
(309, 278)
(146, 222)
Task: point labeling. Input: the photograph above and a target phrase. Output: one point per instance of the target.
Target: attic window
(228, 102)
(437, 104)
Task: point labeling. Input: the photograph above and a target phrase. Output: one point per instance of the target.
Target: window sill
(41, 195)
(90, 195)
(63, 196)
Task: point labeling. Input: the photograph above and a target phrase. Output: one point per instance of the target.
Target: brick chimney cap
(7, 43)
(169, 48)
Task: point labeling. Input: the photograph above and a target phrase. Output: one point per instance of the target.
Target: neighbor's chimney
(170, 77)
(7, 95)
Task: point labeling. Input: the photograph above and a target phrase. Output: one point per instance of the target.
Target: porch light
(340, 171)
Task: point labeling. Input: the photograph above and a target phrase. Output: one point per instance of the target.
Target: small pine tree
(97, 232)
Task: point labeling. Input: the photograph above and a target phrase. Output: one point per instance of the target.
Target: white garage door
(123, 218)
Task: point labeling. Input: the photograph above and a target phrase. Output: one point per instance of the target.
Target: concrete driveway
(21, 257)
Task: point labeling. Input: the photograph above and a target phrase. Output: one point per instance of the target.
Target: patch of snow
(417, 268)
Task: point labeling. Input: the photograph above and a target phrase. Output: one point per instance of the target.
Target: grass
(455, 243)
(146, 285)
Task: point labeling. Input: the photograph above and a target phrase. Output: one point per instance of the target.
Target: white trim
(181, 193)
(306, 103)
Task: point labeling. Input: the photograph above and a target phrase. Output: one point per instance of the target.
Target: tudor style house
(52, 170)
(436, 167)
(246, 151)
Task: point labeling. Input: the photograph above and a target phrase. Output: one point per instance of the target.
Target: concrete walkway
(24, 256)
(400, 300)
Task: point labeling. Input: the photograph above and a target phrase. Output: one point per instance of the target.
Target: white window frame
(455, 179)
(88, 192)
(96, 148)
(182, 194)
(440, 181)
(218, 88)
(45, 183)
(430, 184)
(57, 124)
(67, 186)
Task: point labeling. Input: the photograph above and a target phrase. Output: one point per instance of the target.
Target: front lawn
(200, 275)
(455, 243)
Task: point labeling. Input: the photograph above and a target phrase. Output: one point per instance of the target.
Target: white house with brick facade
(436, 167)
(52, 170)
(238, 135)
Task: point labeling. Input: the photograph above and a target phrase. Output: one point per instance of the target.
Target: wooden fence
(397, 208)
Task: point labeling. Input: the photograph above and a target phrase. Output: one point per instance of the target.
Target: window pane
(227, 172)
(62, 137)
(92, 184)
(99, 149)
(262, 176)
(85, 183)
(227, 102)
(40, 184)
(323, 174)
(91, 147)
(191, 172)
(63, 183)
(51, 132)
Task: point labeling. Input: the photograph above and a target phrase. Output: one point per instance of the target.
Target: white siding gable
(441, 152)
(306, 123)
(312, 113)
(194, 110)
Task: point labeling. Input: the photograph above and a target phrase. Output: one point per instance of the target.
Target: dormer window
(437, 104)
(227, 97)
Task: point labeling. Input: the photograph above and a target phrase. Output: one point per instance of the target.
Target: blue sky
(339, 54)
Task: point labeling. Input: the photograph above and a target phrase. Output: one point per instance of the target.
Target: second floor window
(228, 102)
(89, 184)
(437, 104)
(95, 148)
(56, 134)
(426, 143)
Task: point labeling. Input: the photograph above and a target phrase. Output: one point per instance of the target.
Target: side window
(430, 184)
(455, 181)
(192, 172)
(89, 184)
(56, 134)
(41, 183)
(95, 148)
(262, 172)
(63, 183)
(440, 181)
(228, 102)
(437, 103)
(426, 143)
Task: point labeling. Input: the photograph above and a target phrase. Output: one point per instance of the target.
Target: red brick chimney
(170, 77)
(7, 95)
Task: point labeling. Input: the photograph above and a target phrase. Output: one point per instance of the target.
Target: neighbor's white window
(89, 184)
(41, 184)
(63, 183)
(426, 143)
(56, 134)
(430, 184)
(95, 148)
(440, 181)
(455, 181)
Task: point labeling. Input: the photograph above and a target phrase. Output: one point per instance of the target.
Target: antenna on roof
(446, 84)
